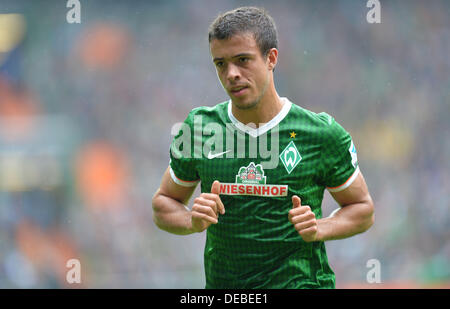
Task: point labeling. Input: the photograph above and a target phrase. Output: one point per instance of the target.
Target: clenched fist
(303, 219)
(206, 209)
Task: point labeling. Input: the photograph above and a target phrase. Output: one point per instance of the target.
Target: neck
(266, 109)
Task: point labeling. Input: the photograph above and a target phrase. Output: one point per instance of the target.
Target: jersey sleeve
(339, 157)
(182, 162)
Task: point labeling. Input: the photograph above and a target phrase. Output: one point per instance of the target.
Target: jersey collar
(255, 132)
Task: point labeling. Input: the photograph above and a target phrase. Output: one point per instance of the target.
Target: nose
(233, 73)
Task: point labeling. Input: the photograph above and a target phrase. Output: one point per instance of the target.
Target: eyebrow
(236, 56)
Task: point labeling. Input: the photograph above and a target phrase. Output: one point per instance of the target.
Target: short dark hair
(246, 19)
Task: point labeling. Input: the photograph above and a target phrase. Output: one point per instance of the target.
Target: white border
(255, 132)
(346, 184)
(181, 182)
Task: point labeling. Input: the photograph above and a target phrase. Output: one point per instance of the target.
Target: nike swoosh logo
(212, 156)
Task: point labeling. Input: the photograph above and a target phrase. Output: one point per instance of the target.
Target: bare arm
(355, 216)
(171, 214)
(169, 206)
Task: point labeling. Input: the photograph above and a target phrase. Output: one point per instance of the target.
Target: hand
(304, 220)
(206, 208)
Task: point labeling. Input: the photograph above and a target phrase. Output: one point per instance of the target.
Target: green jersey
(298, 152)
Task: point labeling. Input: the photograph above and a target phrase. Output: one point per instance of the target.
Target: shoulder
(317, 126)
(318, 121)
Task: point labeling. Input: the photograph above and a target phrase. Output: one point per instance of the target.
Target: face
(244, 73)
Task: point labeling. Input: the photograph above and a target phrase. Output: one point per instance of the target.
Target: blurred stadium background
(86, 112)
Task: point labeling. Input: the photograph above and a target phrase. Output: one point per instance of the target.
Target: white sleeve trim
(183, 182)
(346, 184)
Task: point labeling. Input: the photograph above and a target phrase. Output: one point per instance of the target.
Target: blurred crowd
(86, 112)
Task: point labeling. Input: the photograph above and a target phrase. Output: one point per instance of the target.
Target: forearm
(346, 222)
(171, 215)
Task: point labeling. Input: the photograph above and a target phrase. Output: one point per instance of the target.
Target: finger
(216, 199)
(303, 217)
(308, 231)
(202, 216)
(201, 200)
(294, 212)
(221, 206)
(296, 201)
(215, 188)
(305, 225)
(298, 211)
(204, 209)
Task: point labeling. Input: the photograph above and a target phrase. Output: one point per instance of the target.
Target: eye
(243, 59)
(219, 64)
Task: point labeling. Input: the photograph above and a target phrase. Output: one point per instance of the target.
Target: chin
(244, 104)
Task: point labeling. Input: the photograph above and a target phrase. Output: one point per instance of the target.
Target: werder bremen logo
(290, 157)
(250, 180)
(252, 174)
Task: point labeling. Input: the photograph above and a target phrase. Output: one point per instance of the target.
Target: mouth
(238, 91)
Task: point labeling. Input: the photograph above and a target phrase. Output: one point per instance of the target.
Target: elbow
(156, 209)
(155, 203)
(370, 221)
(372, 217)
(369, 218)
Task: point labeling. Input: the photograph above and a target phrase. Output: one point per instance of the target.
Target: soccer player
(263, 217)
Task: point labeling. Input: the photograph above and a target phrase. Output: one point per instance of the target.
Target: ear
(272, 58)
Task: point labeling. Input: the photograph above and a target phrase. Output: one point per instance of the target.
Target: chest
(285, 161)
